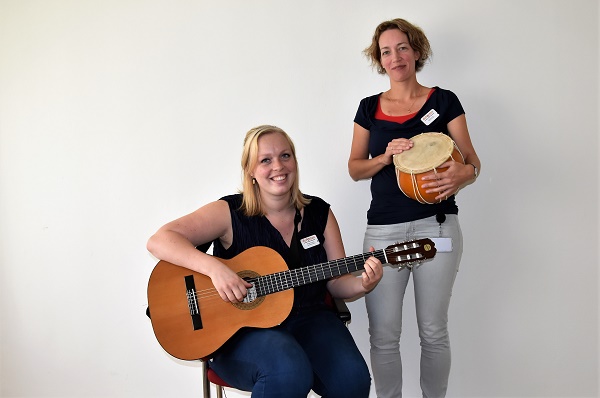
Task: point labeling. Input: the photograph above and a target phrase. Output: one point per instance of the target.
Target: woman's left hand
(372, 273)
(448, 182)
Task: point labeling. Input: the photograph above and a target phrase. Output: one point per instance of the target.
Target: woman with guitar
(311, 348)
(386, 128)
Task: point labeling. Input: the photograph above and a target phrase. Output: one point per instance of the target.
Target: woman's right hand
(228, 284)
(394, 147)
(360, 165)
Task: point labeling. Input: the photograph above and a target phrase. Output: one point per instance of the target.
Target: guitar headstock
(410, 252)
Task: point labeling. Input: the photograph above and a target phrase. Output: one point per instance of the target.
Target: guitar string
(279, 282)
(314, 270)
(207, 295)
(336, 265)
(306, 272)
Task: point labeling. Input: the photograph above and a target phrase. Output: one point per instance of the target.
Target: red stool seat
(214, 378)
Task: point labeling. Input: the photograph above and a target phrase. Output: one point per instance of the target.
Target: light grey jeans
(433, 281)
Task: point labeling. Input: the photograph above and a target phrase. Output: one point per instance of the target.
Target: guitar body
(170, 307)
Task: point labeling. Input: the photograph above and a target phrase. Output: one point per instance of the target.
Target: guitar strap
(295, 243)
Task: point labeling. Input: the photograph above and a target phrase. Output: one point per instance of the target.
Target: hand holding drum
(429, 152)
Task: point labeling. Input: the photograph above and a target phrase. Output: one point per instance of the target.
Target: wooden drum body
(429, 151)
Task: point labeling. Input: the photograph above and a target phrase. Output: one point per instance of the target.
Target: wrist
(475, 171)
(385, 160)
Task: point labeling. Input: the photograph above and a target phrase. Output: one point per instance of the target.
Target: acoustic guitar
(191, 321)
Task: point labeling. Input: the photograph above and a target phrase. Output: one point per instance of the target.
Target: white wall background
(117, 116)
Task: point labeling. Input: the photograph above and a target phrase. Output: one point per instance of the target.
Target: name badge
(430, 117)
(443, 245)
(309, 241)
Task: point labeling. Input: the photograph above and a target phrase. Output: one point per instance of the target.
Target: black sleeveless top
(258, 231)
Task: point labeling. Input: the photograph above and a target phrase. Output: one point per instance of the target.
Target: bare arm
(360, 165)
(460, 134)
(348, 286)
(176, 243)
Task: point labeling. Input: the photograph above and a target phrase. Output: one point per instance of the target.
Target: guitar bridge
(192, 300)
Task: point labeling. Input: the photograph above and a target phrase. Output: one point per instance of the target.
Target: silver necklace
(398, 100)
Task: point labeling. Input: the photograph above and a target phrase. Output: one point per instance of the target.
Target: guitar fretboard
(284, 280)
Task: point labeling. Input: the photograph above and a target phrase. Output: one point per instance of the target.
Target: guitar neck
(289, 279)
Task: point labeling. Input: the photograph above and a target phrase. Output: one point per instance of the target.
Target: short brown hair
(416, 38)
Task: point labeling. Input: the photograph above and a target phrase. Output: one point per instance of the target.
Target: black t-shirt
(388, 204)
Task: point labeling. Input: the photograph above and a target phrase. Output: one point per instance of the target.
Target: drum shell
(412, 185)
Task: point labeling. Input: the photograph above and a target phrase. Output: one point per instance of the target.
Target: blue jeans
(433, 281)
(312, 350)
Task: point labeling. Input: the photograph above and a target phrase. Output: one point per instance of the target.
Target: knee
(359, 385)
(291, 375)
(385, 339)
(434, 335)
(356, 384)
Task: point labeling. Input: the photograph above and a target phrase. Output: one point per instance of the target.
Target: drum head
(429, 151)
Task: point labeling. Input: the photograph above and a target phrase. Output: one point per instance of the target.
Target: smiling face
(276, 167)
(397, 56)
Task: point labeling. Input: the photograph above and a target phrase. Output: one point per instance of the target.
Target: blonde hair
(416, 38)
(251, 203)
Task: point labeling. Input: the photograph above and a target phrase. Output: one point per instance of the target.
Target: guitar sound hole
(251, 301)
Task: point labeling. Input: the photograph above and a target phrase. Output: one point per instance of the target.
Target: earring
(253, 181)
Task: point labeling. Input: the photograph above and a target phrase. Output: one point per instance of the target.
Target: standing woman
(383, 126)
(312, 348)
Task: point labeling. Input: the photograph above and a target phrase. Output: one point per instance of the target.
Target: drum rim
(397, 159)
